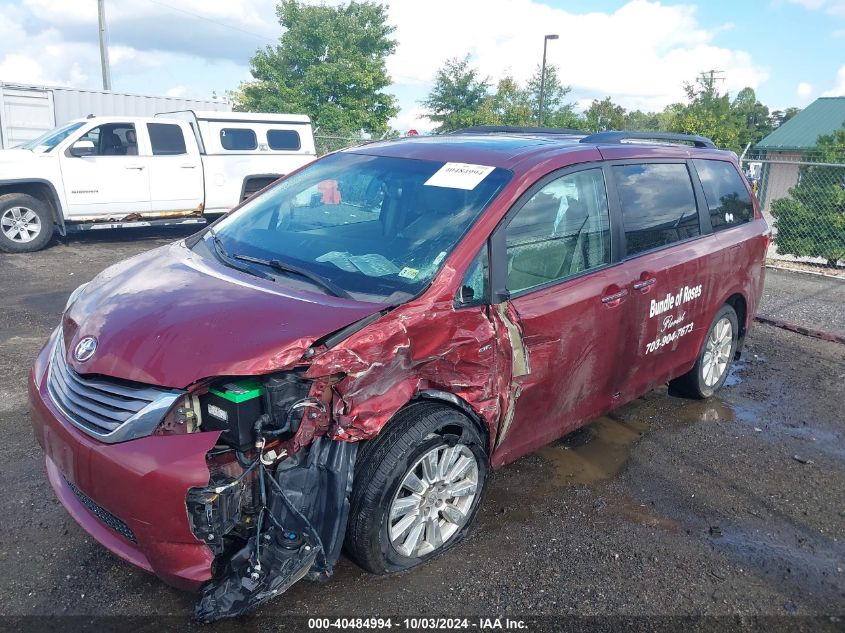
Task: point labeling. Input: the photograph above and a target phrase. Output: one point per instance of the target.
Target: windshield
(378, 228)
(49, 140)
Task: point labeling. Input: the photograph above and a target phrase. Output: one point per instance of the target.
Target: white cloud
(176, 91)
(644, 53)
(804, 89)
(831, 7)
(639, 54)
(838, 89)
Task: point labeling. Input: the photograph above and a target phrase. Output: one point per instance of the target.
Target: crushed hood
(170, 317)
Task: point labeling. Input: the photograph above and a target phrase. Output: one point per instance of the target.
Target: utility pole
(710, 77)
(543, 78)
(104, 46)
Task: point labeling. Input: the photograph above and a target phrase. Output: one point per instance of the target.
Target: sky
(639, 52)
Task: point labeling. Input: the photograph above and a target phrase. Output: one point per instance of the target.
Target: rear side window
(166, 139)
(562, 230)
(238, 139)
(658, 205)
(728, 202)
(283, 139)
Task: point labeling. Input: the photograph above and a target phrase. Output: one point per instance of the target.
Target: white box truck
(124, 172)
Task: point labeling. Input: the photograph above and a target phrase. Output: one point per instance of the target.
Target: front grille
(101, 513)
(106, 407)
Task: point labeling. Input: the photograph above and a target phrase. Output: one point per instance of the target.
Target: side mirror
(83, 148)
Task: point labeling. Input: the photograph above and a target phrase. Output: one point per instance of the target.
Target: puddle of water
(598, 459)
(640, 514)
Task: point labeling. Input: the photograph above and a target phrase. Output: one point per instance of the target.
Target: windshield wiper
(224, 257)
(275, 264)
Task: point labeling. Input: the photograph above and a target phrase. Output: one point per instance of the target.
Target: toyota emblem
(85, 349)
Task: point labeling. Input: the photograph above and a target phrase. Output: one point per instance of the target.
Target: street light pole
(104, 46)
(543, 78)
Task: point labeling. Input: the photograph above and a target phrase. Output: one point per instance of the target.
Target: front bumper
(129, 496)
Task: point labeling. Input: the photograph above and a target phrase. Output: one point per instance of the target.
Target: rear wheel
(417, 489)
(711, 369)
(26, 223)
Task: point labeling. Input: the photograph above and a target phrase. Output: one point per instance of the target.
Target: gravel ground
(809, 300)
(667, 507)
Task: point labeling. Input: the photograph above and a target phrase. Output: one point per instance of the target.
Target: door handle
(616, 298)
(134, 167)
(642, 284)
(188, 166)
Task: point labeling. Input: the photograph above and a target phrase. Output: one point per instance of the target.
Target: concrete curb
(805, 272)
(800, 329)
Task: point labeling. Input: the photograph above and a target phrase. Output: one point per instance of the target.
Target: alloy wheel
(20, 224)
(717, 352)
(433, 501)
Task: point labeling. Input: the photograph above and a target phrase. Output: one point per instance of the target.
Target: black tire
(11, 201)
(382, 465)
(693, 383)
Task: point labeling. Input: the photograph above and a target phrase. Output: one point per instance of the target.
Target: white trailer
(27, 111)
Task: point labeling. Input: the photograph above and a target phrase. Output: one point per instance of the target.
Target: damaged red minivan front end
(200, 418)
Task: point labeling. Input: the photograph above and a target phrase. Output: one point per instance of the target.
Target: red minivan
(341, 360)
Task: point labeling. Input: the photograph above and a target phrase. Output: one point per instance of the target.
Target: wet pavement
(668, 506)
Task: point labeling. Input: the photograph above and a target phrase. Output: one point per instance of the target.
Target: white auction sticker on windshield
(459, 176)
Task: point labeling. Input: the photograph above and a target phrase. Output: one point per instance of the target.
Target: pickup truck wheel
(417, 489)
(26, 223)
(714, 361)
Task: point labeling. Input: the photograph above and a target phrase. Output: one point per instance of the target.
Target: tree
(707, 113)
(751, 117)
(511, 104)
(556, 111)
(459, 97)
(810, 222)
(639, 121)
(604, 115)
(329, 64)
(779, 117)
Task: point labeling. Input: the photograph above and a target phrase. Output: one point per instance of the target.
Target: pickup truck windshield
(49, 140)
(374, 227)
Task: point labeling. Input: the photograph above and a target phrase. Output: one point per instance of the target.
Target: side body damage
(297, 492)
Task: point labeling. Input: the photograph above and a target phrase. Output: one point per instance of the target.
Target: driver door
(110, 183)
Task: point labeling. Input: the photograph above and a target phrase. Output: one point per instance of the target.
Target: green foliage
(604, 115)
(811, 221)
(459, 97)
(751, 117)
(779, 117)
(329, 64)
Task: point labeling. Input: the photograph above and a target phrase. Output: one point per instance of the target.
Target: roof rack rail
(515, 129)
(619, 137)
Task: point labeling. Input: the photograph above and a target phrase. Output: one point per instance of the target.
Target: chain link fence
(803, 199)
(330, 143)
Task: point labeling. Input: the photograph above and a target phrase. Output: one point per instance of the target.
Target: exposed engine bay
(271, 518)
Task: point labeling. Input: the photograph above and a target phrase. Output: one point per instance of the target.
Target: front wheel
(711, 369)
(417, 489)
(26, 224)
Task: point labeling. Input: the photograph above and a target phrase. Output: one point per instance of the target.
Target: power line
(213, 21)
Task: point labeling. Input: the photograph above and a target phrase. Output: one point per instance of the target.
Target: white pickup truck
(123, 172)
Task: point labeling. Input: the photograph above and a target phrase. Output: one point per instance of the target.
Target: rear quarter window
(728, 202)
(166, 139)
(283, 140)
(658, 205)
(238, 139)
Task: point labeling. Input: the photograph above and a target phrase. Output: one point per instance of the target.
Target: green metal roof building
(823, 116)
(783, 151)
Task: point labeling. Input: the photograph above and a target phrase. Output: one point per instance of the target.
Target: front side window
(728, 202)
(371, 225)
(113, 139)
(658, 205)
(166, 139)
(283, 140)
(563, 230)
(237, 139)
